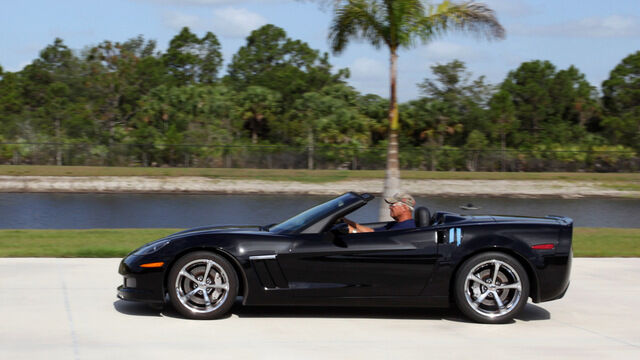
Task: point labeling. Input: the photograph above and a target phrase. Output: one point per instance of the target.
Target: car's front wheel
(202, 285)
(491, 287)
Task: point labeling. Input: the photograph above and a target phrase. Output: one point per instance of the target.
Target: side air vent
(269, 271)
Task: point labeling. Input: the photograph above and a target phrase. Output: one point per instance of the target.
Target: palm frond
(399, 23)
(475, 18)
(358, 19)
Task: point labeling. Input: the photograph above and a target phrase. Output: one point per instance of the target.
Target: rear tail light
(543, 247)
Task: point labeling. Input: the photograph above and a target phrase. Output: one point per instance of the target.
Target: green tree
(56, 110)
(11, 104)
(576, 101)
(331, 116)
(622, 102)
(50, 87)
(375, 108)
(476, 142)
(119, 75)
(397, 24)
(56, 63)
(272, 60)
(171, 116)
(457, 103)
(502, 112)
(190, 59)
(552, 107)
(529, 88)
(432, 123)
(258, 106)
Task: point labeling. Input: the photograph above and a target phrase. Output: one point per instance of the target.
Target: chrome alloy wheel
(202, 286)
(492, 288)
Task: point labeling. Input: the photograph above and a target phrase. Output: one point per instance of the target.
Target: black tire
(220, 285)
(479, 297)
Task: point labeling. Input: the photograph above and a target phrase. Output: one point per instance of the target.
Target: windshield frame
(309, 217)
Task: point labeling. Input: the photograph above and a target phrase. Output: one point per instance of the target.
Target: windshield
(316, 213)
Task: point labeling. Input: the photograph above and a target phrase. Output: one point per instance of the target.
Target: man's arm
(354, 227)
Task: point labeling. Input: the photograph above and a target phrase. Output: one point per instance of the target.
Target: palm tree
(398, 24)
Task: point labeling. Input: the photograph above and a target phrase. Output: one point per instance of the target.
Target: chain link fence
(318, 157)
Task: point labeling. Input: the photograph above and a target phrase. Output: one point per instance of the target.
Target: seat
(422, 216)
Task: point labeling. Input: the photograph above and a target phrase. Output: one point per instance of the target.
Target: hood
(256, 229)
(217, 229)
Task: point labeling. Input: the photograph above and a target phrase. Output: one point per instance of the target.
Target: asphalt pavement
(67, 309)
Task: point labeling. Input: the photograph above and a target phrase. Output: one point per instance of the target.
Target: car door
(389, 263)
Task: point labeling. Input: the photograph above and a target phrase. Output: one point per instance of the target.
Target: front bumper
(140, 284)
(131, 294)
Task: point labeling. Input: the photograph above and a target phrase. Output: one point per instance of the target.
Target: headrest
(422, 216)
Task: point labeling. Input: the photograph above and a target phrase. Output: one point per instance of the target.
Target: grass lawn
(606, 242)
(588, 242)
(627, 181)
(76, 243)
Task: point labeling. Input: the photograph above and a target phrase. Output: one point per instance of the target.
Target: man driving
(401, 210)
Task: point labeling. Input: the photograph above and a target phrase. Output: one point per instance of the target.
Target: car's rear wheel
(491, 287)
(202, 285)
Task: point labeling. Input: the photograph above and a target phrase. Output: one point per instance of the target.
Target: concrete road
(67, 309)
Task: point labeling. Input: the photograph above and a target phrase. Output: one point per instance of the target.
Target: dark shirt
(394, 225)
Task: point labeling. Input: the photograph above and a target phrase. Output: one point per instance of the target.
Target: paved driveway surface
(67, 309)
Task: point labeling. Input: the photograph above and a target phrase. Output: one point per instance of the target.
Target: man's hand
(354, 227)
(349, 222)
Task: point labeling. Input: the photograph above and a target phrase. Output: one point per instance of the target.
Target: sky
(592, 35)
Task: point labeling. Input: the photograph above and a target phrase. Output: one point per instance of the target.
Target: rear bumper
(561, 295)
(554, 280)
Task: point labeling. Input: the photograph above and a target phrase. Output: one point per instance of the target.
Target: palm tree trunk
(254, 131)
(392, 174)
(310, 148)
(503, 148)
(58, 148)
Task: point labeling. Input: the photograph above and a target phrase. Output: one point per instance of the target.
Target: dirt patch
(138, 184)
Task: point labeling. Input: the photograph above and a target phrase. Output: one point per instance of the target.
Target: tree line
(161, 107)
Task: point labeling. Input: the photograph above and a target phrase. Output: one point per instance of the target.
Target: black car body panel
(306, 261)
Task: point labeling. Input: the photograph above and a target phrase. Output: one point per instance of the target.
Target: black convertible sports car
(487, 265)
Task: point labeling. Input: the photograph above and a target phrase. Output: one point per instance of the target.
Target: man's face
(396, 209)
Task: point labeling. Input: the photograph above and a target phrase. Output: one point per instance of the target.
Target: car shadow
(344, 312)
(134, 308)
(531, 312)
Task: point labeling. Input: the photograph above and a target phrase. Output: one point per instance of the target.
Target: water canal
(82, 211)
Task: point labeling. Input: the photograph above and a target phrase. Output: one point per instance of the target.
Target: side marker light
(152, 265)
(543, 247)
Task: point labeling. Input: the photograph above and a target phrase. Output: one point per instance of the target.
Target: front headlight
(151, 247)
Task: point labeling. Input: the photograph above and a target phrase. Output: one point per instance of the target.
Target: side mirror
(341, 228)
(267, 227)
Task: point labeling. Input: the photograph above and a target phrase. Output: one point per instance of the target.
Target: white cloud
(69, 33)
(511, 8)
(176, 20)
(613, 26)
(236, 22)
(211, 2)
(18, 67)
(228, 21)
(370, 76)
(367, 69)
(442, 51)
